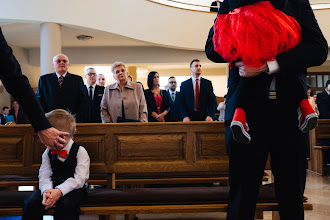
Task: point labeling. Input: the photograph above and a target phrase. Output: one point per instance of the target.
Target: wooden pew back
(125, 148)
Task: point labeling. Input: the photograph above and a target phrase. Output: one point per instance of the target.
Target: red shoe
(307, 116)
(239, 127)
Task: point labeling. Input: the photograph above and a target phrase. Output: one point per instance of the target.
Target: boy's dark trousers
(67, 207)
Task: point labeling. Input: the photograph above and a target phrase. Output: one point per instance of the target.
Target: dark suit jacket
(207, 102)
(152, 106)
(312, 51)
(18, 86)
(21, 116)
(214, 4)
(323, 104)
(94, 113)
(174, 113)
(2, 120)
(72, 95)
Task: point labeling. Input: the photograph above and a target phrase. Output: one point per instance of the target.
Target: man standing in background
(198, 102)
(323, 102)
(174, 96)
(95, 94)
(63, 90)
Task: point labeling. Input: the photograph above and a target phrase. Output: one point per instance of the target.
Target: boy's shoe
(307, 116)
(239, 127)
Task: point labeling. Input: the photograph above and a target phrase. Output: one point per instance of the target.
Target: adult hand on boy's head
(53, 138)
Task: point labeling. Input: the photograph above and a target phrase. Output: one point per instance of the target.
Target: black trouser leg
(278, 134)
(33, 208)
(67, 207)
(246, 169)
(288, 161)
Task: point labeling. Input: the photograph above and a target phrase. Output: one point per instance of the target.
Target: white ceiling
(27, 35)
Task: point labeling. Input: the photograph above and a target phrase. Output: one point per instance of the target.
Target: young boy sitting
(63, 175)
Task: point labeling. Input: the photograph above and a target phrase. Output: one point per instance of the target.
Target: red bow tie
(62, 153)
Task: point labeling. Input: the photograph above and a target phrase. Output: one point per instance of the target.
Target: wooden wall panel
(11, 149)
(38, 149)
(150, 146)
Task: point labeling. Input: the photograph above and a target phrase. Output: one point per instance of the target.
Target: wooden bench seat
(102, 201)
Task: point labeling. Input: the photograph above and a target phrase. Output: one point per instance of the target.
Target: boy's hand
(56, 194)
(47, 198)
(52, 196)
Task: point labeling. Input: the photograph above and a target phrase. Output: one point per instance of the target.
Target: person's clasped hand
(247, 71)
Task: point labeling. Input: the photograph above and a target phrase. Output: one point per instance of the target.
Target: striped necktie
(60, 80)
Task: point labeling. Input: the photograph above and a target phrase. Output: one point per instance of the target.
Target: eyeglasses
(91, 74)
(172, 82)
(59, 61)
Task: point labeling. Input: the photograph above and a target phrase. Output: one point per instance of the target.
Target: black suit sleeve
(212, 102)
(165, 101)
(18, 86)
(82, 113)
(182, 101)
(312, 51)
(209, 47)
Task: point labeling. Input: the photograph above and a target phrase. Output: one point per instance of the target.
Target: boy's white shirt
(81, 174)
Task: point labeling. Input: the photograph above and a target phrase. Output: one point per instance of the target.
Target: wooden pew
(139, 149)
(322, 133)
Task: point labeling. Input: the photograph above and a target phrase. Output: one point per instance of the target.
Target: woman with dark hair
(158, 102)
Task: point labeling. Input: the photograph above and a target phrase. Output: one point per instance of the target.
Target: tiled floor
(317, 191)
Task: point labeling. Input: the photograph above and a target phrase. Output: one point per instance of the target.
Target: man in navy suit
(197, 102)
(95, 94)
(174, 96)
(63, 90)
(323, 102)
(272, 120)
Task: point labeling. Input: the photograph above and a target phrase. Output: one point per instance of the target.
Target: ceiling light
(84, 37)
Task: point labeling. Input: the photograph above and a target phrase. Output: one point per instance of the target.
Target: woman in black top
(158, 102)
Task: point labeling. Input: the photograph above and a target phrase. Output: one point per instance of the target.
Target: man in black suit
(323, 102)
(95, 94)
(18, 86)
(63, 90)
(272, 120)
(215, 4)
(197, 102)
(18, 114)
(2, 117)
(174, 97)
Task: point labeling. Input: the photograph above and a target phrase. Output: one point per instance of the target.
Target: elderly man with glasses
(95, 94)
(63, 90)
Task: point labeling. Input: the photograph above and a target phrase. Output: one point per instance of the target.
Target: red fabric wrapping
(255, 34)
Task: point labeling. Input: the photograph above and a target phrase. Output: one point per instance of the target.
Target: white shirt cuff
(273, 67)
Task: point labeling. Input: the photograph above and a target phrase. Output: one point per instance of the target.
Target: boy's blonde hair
(62, 121)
